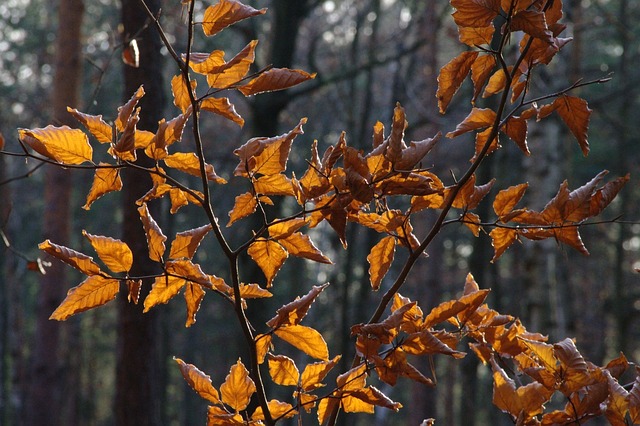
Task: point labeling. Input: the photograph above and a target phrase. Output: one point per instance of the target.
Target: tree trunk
(139, 375)
(47, 382)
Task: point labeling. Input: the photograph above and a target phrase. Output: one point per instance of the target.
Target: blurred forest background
(368, 54)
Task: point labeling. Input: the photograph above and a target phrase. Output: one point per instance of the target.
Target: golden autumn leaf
(95, 124)
(516, 129)
(193, 295)
(181, 97)
(80, 261)
(293, 312)
(263, 345)
(189, 163)
(481, 69)
(188, 270)
(451, 77)
(199, 381)
(307, 339)
(167, 134)
(133, 290)
(125, 111)
(105, 180)
(114, 253)
(275, 79)
(225, 13)
(424, 342)
(219, 416)
(475, 13)
(253, 291)
(277, 184)
(300, 245)
(278, 410)
(95, 291)
(472, 221)
(313, 374)
(617, 402)
(380, 259)
(325, 407)
(634, 401)
(283, 370)
(164, 288)
(374, 396)
(575, 113)
(507, 199)
(283, 229)
(155, 237)
(478, 118)
(235, 70)
(187, 242)
(245, 204)
(501, 240)
(533, 23)
(269, 256)
(61, 144)
(238, 387)
(476, 36)
(222, 107)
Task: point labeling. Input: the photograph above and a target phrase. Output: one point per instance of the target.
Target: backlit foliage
(344, 186)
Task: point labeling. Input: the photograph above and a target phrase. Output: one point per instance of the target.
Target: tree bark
(47, 381)
(139, 376)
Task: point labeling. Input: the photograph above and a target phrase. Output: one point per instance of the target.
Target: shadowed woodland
(334, 211)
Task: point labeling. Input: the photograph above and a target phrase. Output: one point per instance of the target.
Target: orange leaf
(164, 289)
(168, 133)
(307, 339)
(80, 261)
(193, 295)
(155, 237)
(204, 63)
(189, 163)
(253, 291)
(283, 370)
(501, 240)
(476, 36)
(478, 118)
(233, 71)
(380, 259)
(244, 206)
(93, 292)
(186, 243)
(125, 111)
(496, 83)
(269, 256)
(516, 129)
(134, 287)
(95, 124)
(603, 196)
(314, 374)
(634, 401)
(278, 410)
(507, 199)
(284, 229)
(114, 253)
(617, 402)
(275, 79)
(424, 342)
(480, 71)
(224, 108)
(533, 23)
(199, 381)
(451, 77)
(62, 144)
(277, 184)
(263, 344)
(188, 270)
(475, 13)
(238, 387)
(575, 113)
(267, 156)
(372, 395)
(300, 245)
(225, 13)
(181, 97)
(293, 312)
(105, 180)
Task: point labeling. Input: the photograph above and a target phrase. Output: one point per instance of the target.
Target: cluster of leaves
(341, 186)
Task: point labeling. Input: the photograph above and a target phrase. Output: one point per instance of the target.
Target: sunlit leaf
(277, 184)
(575, 113)
(263, 345)
(224, 108)
(476, 36)
(253, 291)
(186, 243)
(284, 229)
(199, 381)
(238, 387)
(293, 312)
(275, 79)
(125, 111)
(93, 292)
(188, 162)
(380, 259)
(634, 401)
(451, 77)
(225, 13)
(114, 253)
(164, 289)
(315, 373)
(475, 13)
(233, 71)
(188, 270)
(478, 118)
(533, 23)
(307, 339)
(80, 261)
(193, 295)
(269, 256)
(61, 144)
(245, 204)
(617, 402)
(155, 237)
(181, 97)
(300, 245)
(481, 69)
(516, 129)
(278, 410)
(501, 240)
(372, 395)
(507, 199)
(95, 124)
(133, 294)
(105, 180)
(283, 370)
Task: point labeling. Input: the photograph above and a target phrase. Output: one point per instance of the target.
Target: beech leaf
(61, 144)
(575, 113)
(105, 180)
(199, 381)
(186, 243)
(451, 77)
(380, 259)
(283, 370)
(155, 237)
(269, 256)
(114, 253)
(164, 288)
(275, 79)
(80, 261)
(95, 124)
(225, 13)
(238, 387)
(307, 339)
(224, 108)
(95, 291)
(193, 295)
(293, 312)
